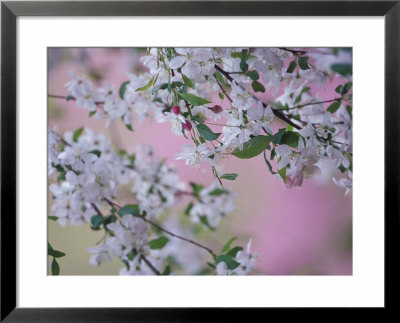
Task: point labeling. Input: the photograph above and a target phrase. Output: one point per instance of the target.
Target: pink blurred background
(306, 231)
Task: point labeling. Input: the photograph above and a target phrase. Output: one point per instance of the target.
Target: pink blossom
(216, 109)
(176, 109)
(187, 125)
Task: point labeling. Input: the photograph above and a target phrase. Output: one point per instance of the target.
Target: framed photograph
(181, 160)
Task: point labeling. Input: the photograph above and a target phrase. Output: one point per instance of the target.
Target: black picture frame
(11, 10)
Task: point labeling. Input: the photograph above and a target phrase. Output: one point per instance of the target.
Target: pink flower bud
(176, 109)
(187, 125)
(293, 181)
(216, 109)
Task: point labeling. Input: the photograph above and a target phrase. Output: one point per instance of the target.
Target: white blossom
(194, 155)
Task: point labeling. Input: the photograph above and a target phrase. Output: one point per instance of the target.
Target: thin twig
(293, 51)
(223, 90)
(177, 236)
(56, 96)
(111, 203)
(311, 103)
(222, 125)
(61, 138)
(277, 113)
(148, 263)
(96, 208)
(166, 231)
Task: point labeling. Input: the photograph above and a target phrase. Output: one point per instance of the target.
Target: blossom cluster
(240, 102)
(88, 172)
(193, 88)
(86, 176)
(243, 263)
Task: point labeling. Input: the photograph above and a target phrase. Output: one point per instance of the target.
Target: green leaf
(193, 99)
(334, 106)
(234, 251)
(290, 138)
(132, 254)
(278, 136)
(350, 111)
(253, 75)
(230, 177)
(92, 113)
(188, 208)
(282, 173)
(129, 209)
(298, 98)
(161, 86)
(55, 268)
(253, 147)
(221, 96)
(53, 218)
(240, 55)
(129, 127)
(158, 243)
(207, 133)
(96, 221)
(49, 247)
(177, 84)
(166, 271)
(122, 89)
(257, 86)
(219, 77)
(227, 245)
(217, 192)
(162, 197)
(243, 65)
(291, 67)
(77, 134)
(147, 86)
(268, 163)
(188, 81)
(273, 154)
(56, 253)
(303, 62)
(342, 69)
(210, 265)
(345, 88)
(203, 219)
(230, 262)
(289, 127)
(109, 219)
(196, 189)
(59, 168)
(69, 97)
(95, 152)
(95, 76)
(338, 89)
(199, 118)
(132, 159)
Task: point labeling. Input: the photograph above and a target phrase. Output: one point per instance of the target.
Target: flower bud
(187, 125)
(216, 109)
(176, 109)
